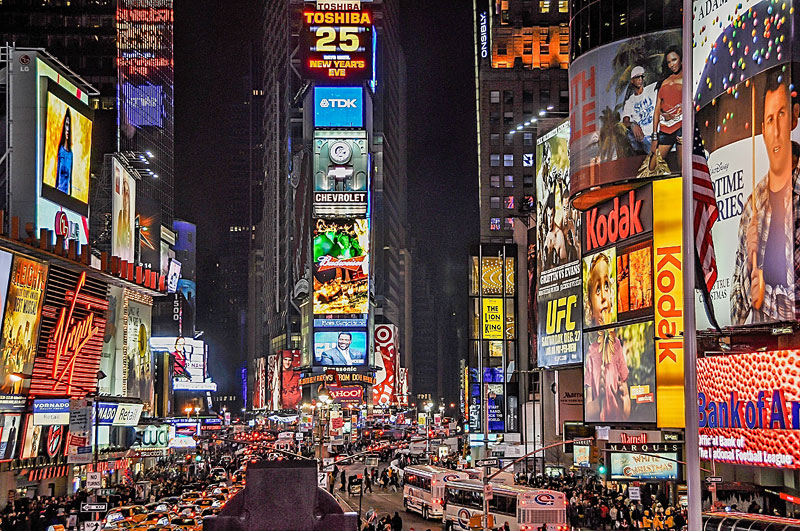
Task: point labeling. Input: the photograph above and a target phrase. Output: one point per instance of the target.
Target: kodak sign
(618, 219)
(668, 291)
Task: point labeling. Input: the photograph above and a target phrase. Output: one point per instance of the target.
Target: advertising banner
(351, 395)
(12, 425)
(341, 267)
(189, 357)
(580, 455)
(291, 394)
(51, 412)
(344, 348)
(148, 219)
(338, 107)
(139, 359)
(386, 343)
(558, 254)
(274, 383)
(668, 285)
(619, 374)
(67, 150)
(31, 440)
(123, 206)
(341, 173)
(570, 395)
(752, 420)
(260, 384)
(402, 386)
(337, 46)
(496, 406)
(23, 310)
(492, 319)
(620, 95)
(632, 466)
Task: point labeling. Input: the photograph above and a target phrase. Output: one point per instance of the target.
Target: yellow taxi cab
(205, 503)
(186, 524)
(131, 513)
(191, 496)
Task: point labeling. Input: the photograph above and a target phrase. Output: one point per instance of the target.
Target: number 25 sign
(337, 46)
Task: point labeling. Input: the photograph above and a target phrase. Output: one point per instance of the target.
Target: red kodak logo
(622, 222)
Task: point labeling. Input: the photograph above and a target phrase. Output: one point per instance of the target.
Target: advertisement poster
(580, 455)
(141, 376)
(67, 150)
(21, 320)
(111, 362)
(148, 219)
(600, 288)
(341, 173)
(531, 305)
(631, 466)
(189, 362)
(496, 405)
(260, 383)
(619, 374)
(274, 383)
(345, 348)
(291, 395)
(558, 243)
(386, 343)
(10, 436)
(754, 420)
(32, 438)
(123, 206)
(620, 94)
(341, 266)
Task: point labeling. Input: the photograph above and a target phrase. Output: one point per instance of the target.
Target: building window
(508, 224)
(494, 224)
(494, 160)
(494, 201)
(563, 6)
(508, 181)
(494, 118)
(494, 96)
(508, 202)
(494, 181)
(508, 117)
(544, 6)
(527, 102)
(508, 97)
(527, 139)
(527, 48)
(527, 180)
(508, 160)
(544, 42)
(563, 40)
(563, 99)
(544, 97)
(494, 139)
(502, 49)
(508, 139)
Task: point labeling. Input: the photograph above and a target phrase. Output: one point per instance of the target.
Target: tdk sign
(338, 107)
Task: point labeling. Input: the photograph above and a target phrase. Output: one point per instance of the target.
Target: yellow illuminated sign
(667, 227)
(492, 318)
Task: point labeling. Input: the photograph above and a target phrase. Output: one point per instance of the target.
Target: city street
(387, 503)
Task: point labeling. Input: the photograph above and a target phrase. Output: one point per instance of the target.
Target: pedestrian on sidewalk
(397, 522)
(367, 482)
(343, 480)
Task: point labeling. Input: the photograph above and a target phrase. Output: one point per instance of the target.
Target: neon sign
(337, 45)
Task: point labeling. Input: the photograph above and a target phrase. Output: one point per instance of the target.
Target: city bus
(423, 488)
(524, 509)
(725, 521)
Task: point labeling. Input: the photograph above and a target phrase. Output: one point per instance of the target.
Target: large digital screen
(123, 206)
(620, 95)
(341, 173)
(749, 408)
(336, 46)
(140, 370)
(67, 150)
(148, 219)
(633, 466)
(343, 348)
(189, 355)
(341, 266)
(558, 252)
(619, 380)
(143, 104)
(338, 107)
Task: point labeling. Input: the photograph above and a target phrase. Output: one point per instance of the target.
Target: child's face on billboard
(600, 292)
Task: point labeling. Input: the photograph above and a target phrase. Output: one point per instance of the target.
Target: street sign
(488, 493)
(634, 493)
(94, 480)
(94, 507)
(487, 462)
(94, 525)
(714, 479)
(322, 480)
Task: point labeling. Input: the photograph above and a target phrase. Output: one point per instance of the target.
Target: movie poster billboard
(386, 343)
(148, 219)
(291, 395)
(10, 436)
(21, 321)
(619, 375)
(621, 94)
(748, 123)
(260, 383)
(341, 267)
(558, 243)
(123, 207)
(341, 173)
(141, 376)
(273, 383)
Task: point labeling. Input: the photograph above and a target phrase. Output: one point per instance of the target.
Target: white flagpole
(692, 438)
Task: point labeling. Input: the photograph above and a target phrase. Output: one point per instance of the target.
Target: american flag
(705, 211)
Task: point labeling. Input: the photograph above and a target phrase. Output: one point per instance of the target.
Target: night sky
(211, 39)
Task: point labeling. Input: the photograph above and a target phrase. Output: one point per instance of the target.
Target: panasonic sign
(338, 107)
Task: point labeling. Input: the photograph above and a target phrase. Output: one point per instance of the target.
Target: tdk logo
(338, 103)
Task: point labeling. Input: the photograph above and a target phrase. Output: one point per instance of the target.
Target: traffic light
(601, 470)
(198, 457)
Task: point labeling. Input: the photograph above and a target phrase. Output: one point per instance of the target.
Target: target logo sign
(544, 499)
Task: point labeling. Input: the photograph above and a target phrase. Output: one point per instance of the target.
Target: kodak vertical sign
(668, 261)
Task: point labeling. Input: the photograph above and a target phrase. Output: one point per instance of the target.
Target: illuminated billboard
(638, 466)
(338, 107)
(189, 355)
(148, 219)
(386, 348)
(143, 104)
(341, 173)
(341, 266)
(138, 358)
(625, 104)
(749, 408)
(340, 348)
(558, 252)
(336, 46)
(290, 392)
(123, 208)
(260, 383)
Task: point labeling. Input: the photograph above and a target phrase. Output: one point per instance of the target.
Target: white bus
(423, 488)
(524, 509)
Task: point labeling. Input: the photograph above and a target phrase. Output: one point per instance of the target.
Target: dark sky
(211, 39)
